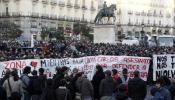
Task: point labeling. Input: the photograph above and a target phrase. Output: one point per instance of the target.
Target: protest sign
(163, 65)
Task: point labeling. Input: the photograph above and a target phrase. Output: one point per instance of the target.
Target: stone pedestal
(104, 34)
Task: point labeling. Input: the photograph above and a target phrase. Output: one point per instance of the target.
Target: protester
(35, 86)
(49, 92)
(13, 84)
(137, 89)
(160, 90)
(62, 93)
(107, 87)
(72, 86)
(3, 93)
(122, 92)
(98, 76)
(85, 88)
(124, 77)
(25, 83)
(42, 78)
(115, 75)
(6, 76)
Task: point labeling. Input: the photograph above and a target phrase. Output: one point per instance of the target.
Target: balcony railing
(5, 0)
(35, 0)
(69, 5)
(84, 7)
(35, 15)
(44, 1)
(45, 16)
(77, 6)
(53, 17)
(62, 4)
(53, 2)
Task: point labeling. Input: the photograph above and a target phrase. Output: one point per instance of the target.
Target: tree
(84, 30)
(44, 33)
(10, 31)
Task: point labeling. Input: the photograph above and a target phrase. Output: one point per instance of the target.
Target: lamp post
(142, 32)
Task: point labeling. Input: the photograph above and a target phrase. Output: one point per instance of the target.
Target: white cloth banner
(163, 65)
(85, 64)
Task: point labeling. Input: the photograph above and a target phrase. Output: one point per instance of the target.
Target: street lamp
(142, 32)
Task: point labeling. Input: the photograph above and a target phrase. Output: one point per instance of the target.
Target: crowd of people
(105, 85)
(73, 49)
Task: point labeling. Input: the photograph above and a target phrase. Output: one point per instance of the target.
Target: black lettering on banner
(168, 73)
(43, 63)
(161, 62)
(173, 61)
(3, 73)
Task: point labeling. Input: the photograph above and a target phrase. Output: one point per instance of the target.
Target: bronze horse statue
(108, 12)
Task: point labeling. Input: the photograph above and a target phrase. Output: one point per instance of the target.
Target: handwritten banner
(163, 65)
(85, 64)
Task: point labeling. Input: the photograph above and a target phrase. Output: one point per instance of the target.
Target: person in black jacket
(3, 93)
(49, 92)
(137, 87)
(107, 86)
(99, 75)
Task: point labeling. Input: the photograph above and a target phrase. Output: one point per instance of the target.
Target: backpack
(158, 96)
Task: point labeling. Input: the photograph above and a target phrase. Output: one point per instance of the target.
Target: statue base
(104, 34)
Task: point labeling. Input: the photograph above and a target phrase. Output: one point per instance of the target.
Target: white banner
(163, 65)
(85, 64)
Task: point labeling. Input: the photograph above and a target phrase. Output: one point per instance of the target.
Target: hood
(121, 96)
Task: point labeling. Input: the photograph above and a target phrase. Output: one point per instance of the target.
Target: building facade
(137, 17)
(33, 15)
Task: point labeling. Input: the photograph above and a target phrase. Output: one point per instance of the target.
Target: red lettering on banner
(137, 60)
(15, 64)
(128, 66)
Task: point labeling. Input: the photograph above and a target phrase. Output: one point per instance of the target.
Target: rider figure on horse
(104, 8)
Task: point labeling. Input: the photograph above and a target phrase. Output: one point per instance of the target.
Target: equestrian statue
(106, 12)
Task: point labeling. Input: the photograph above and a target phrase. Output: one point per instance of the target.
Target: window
(160, 22)
(7, 11)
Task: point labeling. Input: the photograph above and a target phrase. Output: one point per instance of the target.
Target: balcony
(17, 0)
(53, 2)
(77, 6)
(62, 18)
(44, 1)
(35, 15)
(53, 17)
(69, 5)
(62, 4)
(45, 16)
(16, 14)
(84, 7)
(5, 0)
(35, 0)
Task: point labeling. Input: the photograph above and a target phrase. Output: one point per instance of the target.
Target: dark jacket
(42, 78)
(35, 85)
(48, 94)
(137, 89)
(121, 96)
(96, 83)
(62, 93)
(3, 94)
(85, 87)
(107, 87)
